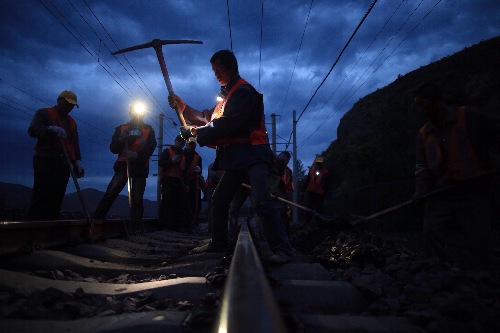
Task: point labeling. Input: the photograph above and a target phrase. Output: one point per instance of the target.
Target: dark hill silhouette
(15, 200)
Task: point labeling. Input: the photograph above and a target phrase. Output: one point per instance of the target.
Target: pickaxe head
(157, 43)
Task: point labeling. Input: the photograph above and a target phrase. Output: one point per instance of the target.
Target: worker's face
(222, 74)
(64, 105)
(191, 146)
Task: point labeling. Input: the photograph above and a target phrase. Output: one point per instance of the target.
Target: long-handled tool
(307, 209)
(157, 44)
(398, 206)
(77, 186)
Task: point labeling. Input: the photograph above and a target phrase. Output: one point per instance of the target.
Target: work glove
(130, 155)
(176, 103)
(176, 159)
(79, 171)
(59, 131)
(197, 169)
(186, 132)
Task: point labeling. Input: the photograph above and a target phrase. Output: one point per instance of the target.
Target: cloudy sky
(288, 49)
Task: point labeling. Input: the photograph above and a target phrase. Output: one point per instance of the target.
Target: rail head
(248, 303)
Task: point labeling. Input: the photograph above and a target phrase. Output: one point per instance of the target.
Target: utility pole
(160, 149)
(273, 133)
(295, 173)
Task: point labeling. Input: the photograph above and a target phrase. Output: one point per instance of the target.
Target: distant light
(317, 173)
(138, 108)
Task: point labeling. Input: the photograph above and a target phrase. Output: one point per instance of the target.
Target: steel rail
(248, 305)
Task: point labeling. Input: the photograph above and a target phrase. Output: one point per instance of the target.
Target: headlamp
(138, 108)
(222, 95)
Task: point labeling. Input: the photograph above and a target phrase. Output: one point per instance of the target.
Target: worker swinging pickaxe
(157, 44)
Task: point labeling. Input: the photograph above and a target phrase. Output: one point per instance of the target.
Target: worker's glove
(79, 171)
(176, 159)
(130, 155)
(197, 169)
(186, 132)
(59, 131)
(176, 103)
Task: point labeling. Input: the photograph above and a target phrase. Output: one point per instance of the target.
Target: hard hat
(69, 96)
(192, 140)
(319, 159)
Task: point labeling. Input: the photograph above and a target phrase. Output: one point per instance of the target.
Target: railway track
(52, 279)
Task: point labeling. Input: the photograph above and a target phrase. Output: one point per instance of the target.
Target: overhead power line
(335, 63)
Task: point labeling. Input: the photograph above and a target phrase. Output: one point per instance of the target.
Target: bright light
(138, 108)
(317, 173)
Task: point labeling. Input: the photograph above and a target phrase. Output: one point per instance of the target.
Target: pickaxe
(157, 44)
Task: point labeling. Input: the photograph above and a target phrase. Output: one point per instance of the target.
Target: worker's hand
(59, 131)
(130, 155)
(186, 132)
(197, 169)
(177, 159)
(176, 103)
(124, 135)
(79, 171)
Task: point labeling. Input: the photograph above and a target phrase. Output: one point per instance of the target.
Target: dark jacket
(243, 113)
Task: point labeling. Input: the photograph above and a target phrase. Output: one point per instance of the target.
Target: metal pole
(295, 173)
(273, 134)
(158, 177)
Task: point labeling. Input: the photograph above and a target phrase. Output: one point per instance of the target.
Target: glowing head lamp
(138, 109)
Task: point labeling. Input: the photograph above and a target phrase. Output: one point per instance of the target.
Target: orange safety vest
(315, 184)
(55, 119)
(462, 162)
(176, 169)
(287, 179)
(257, 137)
(137, 145)
(194, 162)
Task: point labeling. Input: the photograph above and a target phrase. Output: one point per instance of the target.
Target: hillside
(374, 154)
(15, 199)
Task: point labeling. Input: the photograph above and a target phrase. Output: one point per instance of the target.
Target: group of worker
(453, 167)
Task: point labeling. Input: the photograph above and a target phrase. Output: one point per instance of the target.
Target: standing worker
(192, 177)
(316, 187)
(284, 188)
(173, 211)
(235, 126)
(134, 142)
(452, 158)
(54, 128)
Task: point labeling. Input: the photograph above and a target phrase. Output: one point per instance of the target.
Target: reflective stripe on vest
(176, 169)
(315, 184)
(258, 136)
(55, 119)
(461, 162)
(137, 145)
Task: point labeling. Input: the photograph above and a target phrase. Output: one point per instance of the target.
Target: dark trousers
(115, 186)
(51, 175)
(315, 202)
(471, 210)
(257, 176)
(174, 212)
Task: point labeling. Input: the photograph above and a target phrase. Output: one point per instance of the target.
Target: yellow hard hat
(319, 159)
